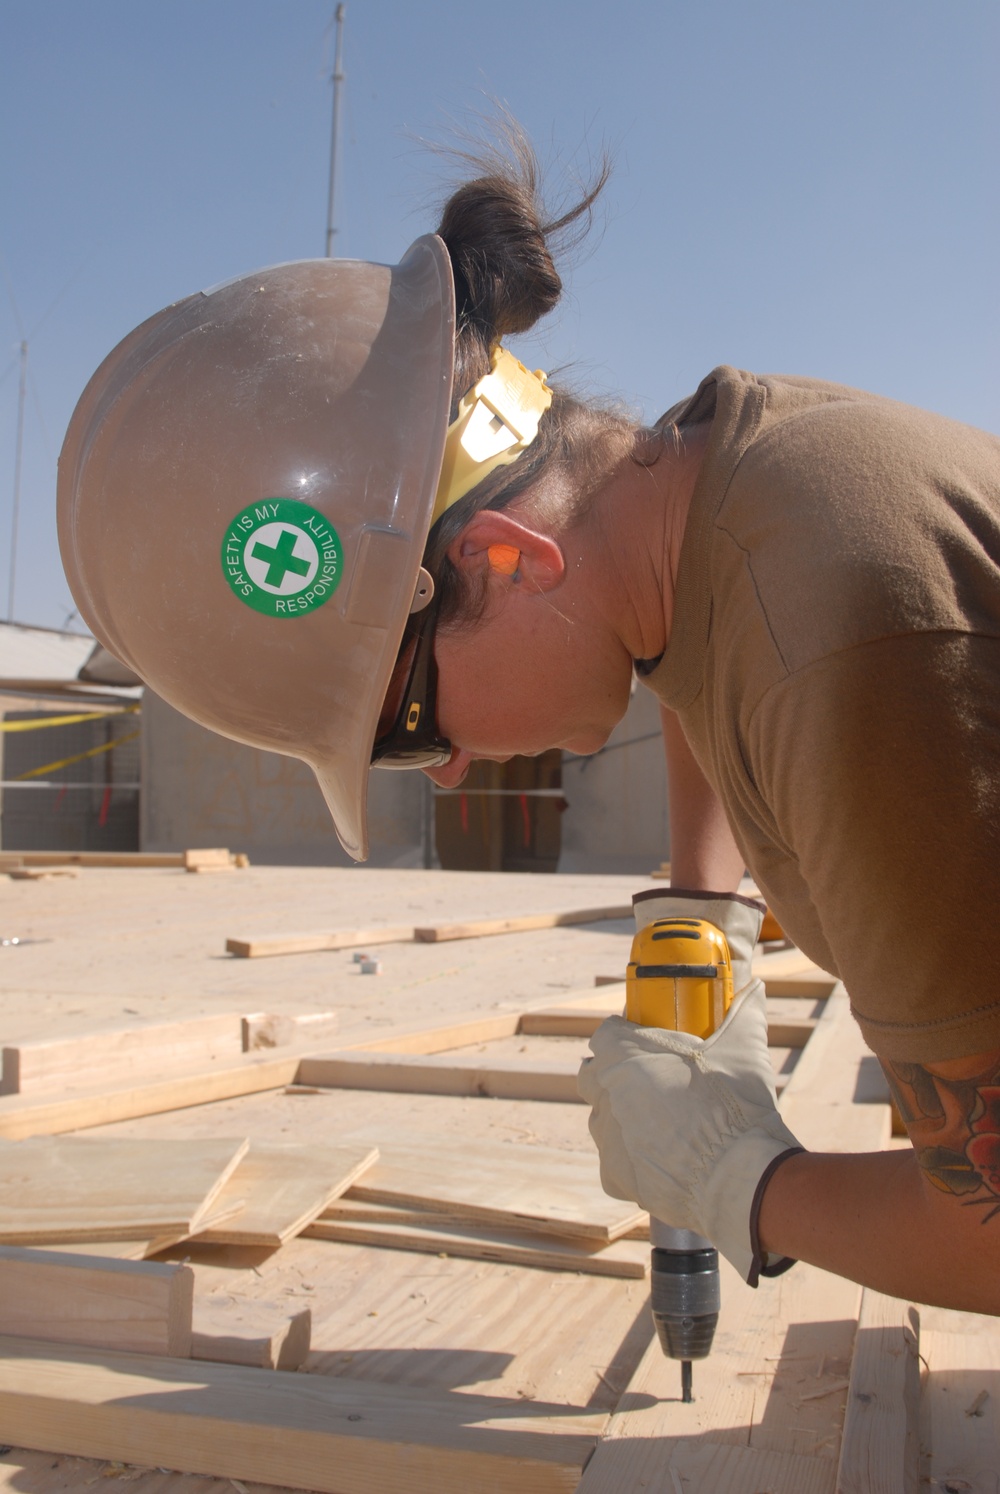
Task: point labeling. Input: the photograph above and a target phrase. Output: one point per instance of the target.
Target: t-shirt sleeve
(880, 770)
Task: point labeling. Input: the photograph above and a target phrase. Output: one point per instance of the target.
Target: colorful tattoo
(952, 1113)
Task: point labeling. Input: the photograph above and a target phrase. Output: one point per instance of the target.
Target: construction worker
(324, 510)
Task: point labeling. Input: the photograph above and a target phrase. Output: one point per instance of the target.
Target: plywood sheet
(284, 1188)
(85, 1188)
(361, 1224)
(539, 1188)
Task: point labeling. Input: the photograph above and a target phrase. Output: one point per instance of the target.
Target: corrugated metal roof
(41, 653)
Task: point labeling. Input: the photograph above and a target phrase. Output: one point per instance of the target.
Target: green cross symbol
(280, 559)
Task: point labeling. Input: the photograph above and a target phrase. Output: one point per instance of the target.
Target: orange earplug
(504, 559)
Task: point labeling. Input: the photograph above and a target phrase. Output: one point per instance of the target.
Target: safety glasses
(413, 741)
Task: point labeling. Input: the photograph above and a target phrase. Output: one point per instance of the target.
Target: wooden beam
(120, 1052)
(121, 859)
(880, 1446)
(138, 1306)
(321, 1433)
(262, 1335)
(782, 1032)
(437, 1037)
(439, 933)
(497, 1079)
(261, 946)
(281, 1030)
(24, 1115)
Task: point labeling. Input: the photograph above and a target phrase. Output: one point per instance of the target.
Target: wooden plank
(133, 859)
(139, 1306)
(262, 946)
(782, 1032)
(499, 1079)
(284, 1188)
(693, 1466)
(281, 1030)
(262, 1335)
(623, 1258)
(55, 1064)
(541, 1189)
(438, 933)
(435, 1037)
(880, 1448)
(331, 1435)
(73, 1188)
(24, 1115)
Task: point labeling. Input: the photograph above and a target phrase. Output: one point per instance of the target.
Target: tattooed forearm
(951, 1111)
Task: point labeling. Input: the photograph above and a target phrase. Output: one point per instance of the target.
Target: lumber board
(25, 1115)
(960, 1428)
(55, 1064)
(263, 946)
(361, 1225)
(281, 1030)
(498, 1079)
(136, 860)
(772, 1387)
(139, 1306)
(880, 1448)
(282, 1189)
(483, 928)
(437, 1037)
(782, 1032)
(262, 1335)
(788, 972)
(76, 1188)
(331, 1435)
(541, 1189)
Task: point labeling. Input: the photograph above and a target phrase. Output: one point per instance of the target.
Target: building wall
(617, 820)
(200, 789)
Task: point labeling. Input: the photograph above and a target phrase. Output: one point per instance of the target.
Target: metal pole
(338, 78)
(19, 447)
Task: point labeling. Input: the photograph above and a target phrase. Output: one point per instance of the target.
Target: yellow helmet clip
(496, 421)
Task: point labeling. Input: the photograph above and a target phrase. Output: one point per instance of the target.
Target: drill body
(680, 978)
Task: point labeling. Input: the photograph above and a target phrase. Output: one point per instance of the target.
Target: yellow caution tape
(67, 761)
(41, 721)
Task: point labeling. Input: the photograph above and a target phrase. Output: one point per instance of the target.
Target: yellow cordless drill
(680, 977)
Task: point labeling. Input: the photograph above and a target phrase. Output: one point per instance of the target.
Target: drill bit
(686, 1395)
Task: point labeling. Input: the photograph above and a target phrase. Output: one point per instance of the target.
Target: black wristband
(784, 1263)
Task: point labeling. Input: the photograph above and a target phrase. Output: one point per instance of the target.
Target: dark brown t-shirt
(835, 664)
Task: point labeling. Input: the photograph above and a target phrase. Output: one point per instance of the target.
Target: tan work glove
(689, 1128)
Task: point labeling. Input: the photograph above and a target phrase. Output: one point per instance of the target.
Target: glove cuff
(732, 1194)
(763, 1263)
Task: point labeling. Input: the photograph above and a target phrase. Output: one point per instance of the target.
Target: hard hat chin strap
(496, 421)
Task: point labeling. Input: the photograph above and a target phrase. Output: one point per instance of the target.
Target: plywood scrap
(260, 1334)
(282, 1189)
(541, 1189)
(86, 1188)
(506, 1079)
(331, 1435)
(116, 1054)
(26, 1115)
(262, 946)
(622, 1258)
(440, 932)
(880, 1447)
(139, 1306)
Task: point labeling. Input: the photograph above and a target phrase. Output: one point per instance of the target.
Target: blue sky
(799, 187)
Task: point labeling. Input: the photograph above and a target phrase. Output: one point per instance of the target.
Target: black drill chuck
(685, 1300)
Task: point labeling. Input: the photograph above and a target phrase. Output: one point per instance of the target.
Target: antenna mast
(338, 78)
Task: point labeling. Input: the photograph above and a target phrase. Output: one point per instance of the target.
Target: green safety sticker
(282, 557)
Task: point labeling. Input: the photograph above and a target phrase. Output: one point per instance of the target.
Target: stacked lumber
(79, 1215)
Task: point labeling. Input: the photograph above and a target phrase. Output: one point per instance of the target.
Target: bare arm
(702, 850)
(923, 1224)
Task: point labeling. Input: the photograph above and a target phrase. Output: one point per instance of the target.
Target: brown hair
(498, 239)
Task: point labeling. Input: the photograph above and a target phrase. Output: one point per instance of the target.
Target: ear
(541, 566)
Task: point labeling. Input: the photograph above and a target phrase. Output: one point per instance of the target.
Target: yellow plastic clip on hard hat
(496, 421)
